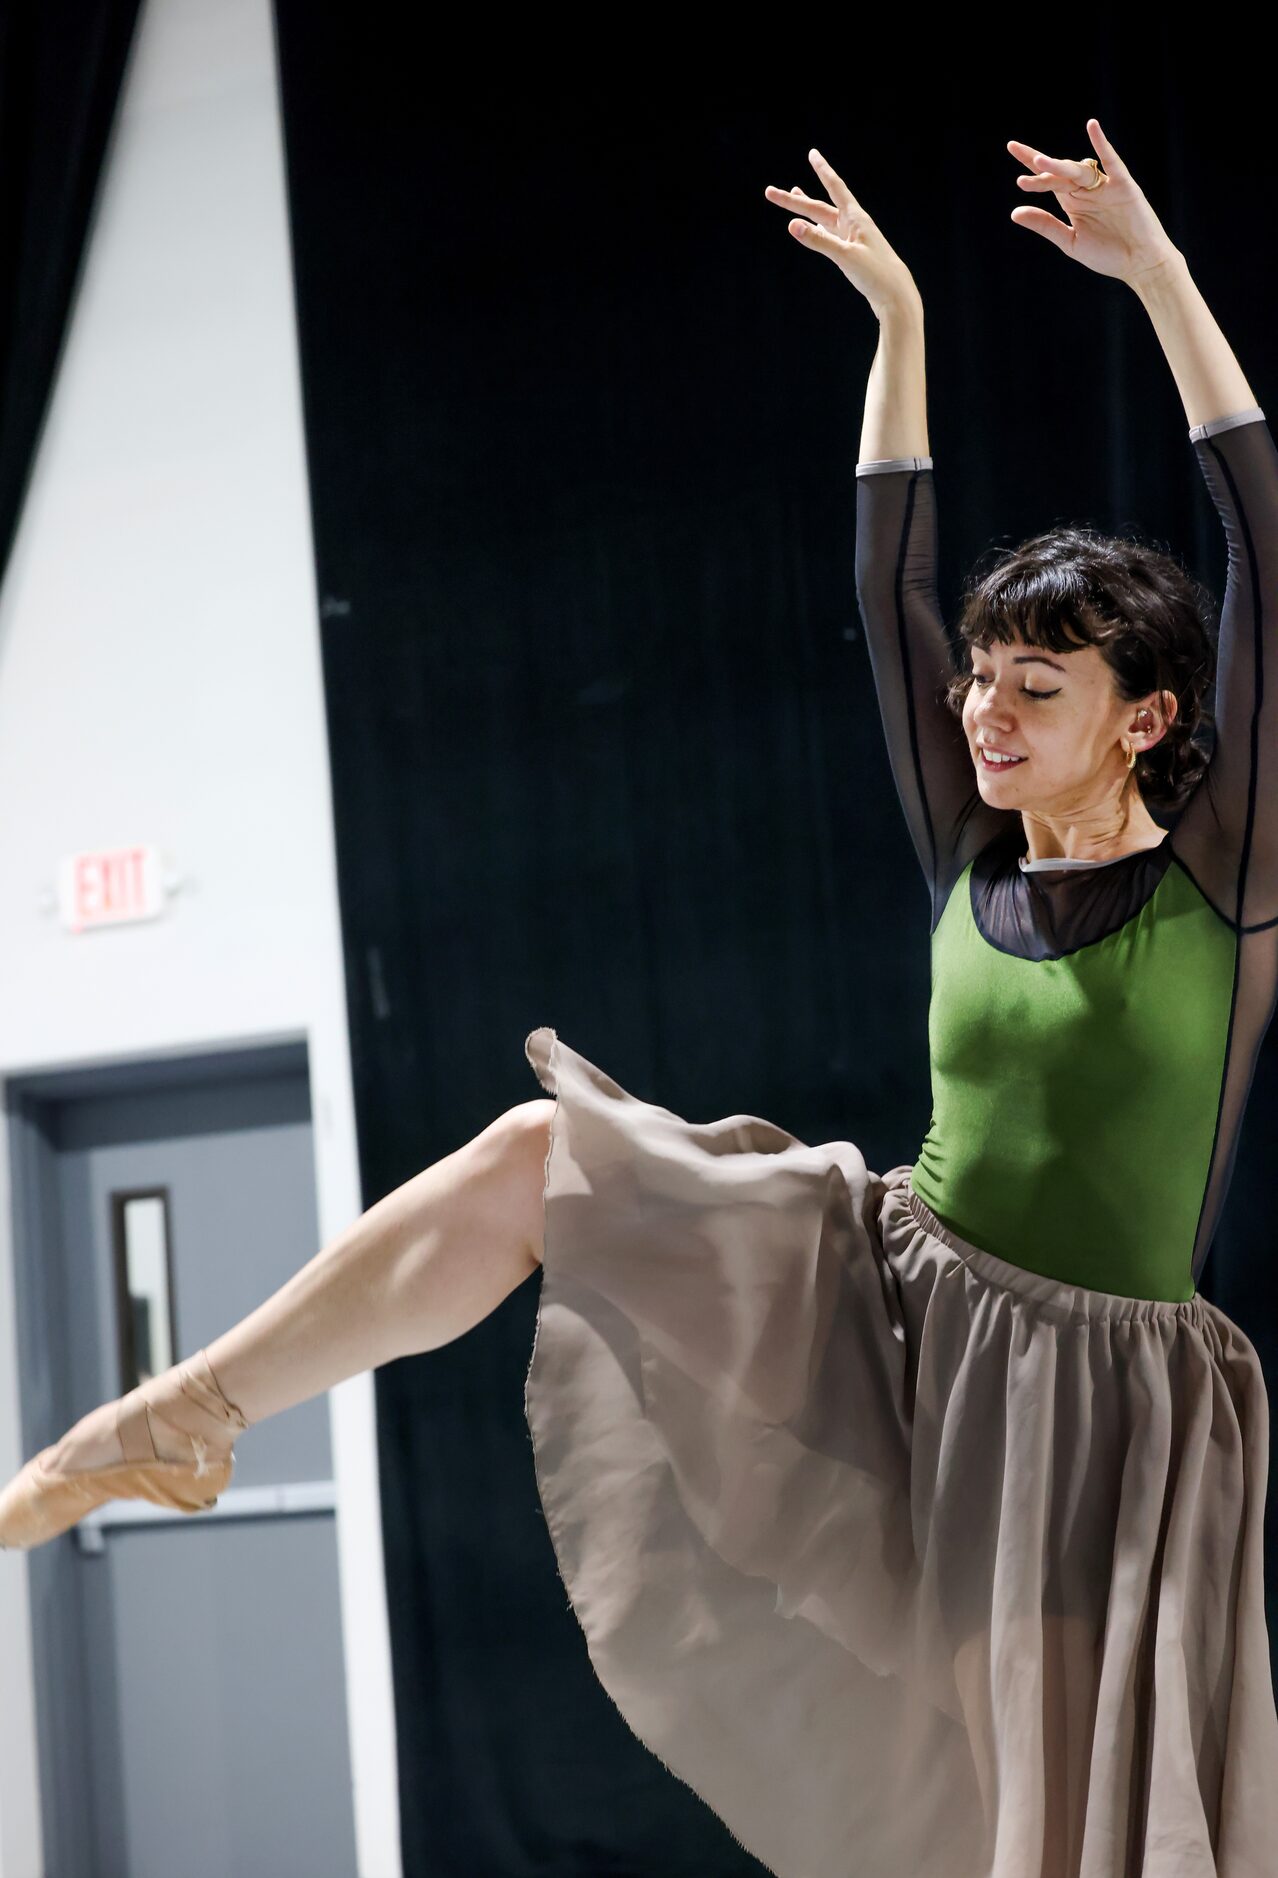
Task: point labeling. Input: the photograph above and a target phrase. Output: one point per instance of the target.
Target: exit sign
(110, 887)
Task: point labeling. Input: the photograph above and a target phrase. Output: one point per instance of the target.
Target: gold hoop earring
(1130, 750)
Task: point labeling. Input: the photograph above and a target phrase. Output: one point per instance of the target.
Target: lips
(995, 764)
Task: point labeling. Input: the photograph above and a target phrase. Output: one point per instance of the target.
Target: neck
(1121, 826)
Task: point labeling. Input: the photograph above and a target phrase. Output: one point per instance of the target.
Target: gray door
(190, 1690)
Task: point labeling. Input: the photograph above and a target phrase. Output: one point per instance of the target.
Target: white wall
(160, 682)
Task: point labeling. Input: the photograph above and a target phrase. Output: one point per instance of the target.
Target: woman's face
(1060, 713)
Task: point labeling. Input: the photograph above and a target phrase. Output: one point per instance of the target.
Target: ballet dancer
(915, 1519)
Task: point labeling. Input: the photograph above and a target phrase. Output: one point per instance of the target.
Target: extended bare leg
(419, 1268)
(425, 1264)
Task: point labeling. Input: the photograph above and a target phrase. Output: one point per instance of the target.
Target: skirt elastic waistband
(1051, 1295)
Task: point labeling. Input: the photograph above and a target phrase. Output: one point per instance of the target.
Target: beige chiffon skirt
(912, 1563)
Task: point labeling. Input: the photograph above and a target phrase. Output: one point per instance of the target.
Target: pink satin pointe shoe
(45, 1499)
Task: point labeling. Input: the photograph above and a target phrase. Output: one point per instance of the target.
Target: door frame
(37, 1785)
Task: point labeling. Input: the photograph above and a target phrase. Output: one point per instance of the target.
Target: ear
(1158, 714)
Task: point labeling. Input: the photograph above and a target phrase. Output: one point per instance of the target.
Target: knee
(524, 1131)
(517, 1144)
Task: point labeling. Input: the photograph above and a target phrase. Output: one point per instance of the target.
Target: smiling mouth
(998, 763)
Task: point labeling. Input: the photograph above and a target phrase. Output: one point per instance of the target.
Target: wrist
(1165, 273)
(903, 308)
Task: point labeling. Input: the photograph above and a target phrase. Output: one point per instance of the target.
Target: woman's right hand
(841, 229)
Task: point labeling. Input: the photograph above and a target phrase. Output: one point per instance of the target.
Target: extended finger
(1111, 162)
(838, 189)
(811, 236)
(1047, 170)
(1044, 223)
(1027, 154)
(795, 199)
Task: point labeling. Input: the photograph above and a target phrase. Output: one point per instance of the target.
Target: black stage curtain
(582, 423)
(61, 65)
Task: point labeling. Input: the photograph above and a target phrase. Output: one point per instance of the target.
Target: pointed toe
(40, 1502)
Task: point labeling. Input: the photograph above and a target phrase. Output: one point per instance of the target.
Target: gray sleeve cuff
(881, 464)
(1214, 424)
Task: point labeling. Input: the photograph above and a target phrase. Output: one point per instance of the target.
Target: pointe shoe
(45, 1499)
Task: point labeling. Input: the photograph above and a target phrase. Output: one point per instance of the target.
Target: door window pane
(143, 1285)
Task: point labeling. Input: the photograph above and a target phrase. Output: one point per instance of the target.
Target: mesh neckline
(1053, 863)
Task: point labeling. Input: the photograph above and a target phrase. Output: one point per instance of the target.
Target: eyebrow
(1034, 658)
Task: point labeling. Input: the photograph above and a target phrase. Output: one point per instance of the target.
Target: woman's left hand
(1111, 227)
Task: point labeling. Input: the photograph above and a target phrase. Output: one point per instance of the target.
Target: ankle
(187, 1412)
(173, 1443)
(199, 1383)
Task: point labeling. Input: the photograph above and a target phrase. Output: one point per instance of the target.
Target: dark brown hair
(1070, 587)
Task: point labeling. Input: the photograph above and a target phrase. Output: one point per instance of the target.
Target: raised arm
(896, 545)
(896, 549)
(1227, 836)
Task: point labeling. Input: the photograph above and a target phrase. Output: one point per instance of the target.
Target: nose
(992, 710)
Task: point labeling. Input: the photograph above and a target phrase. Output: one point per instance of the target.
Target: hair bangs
(1046, 603)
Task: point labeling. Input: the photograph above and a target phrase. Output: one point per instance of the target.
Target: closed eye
(1025, 692)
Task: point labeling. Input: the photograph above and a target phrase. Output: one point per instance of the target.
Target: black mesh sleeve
(912, 663)
(1227, 835)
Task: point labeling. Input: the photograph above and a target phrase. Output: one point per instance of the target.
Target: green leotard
(1093, 1026)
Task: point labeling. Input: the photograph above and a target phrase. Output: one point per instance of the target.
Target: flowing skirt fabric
(911, 1562)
